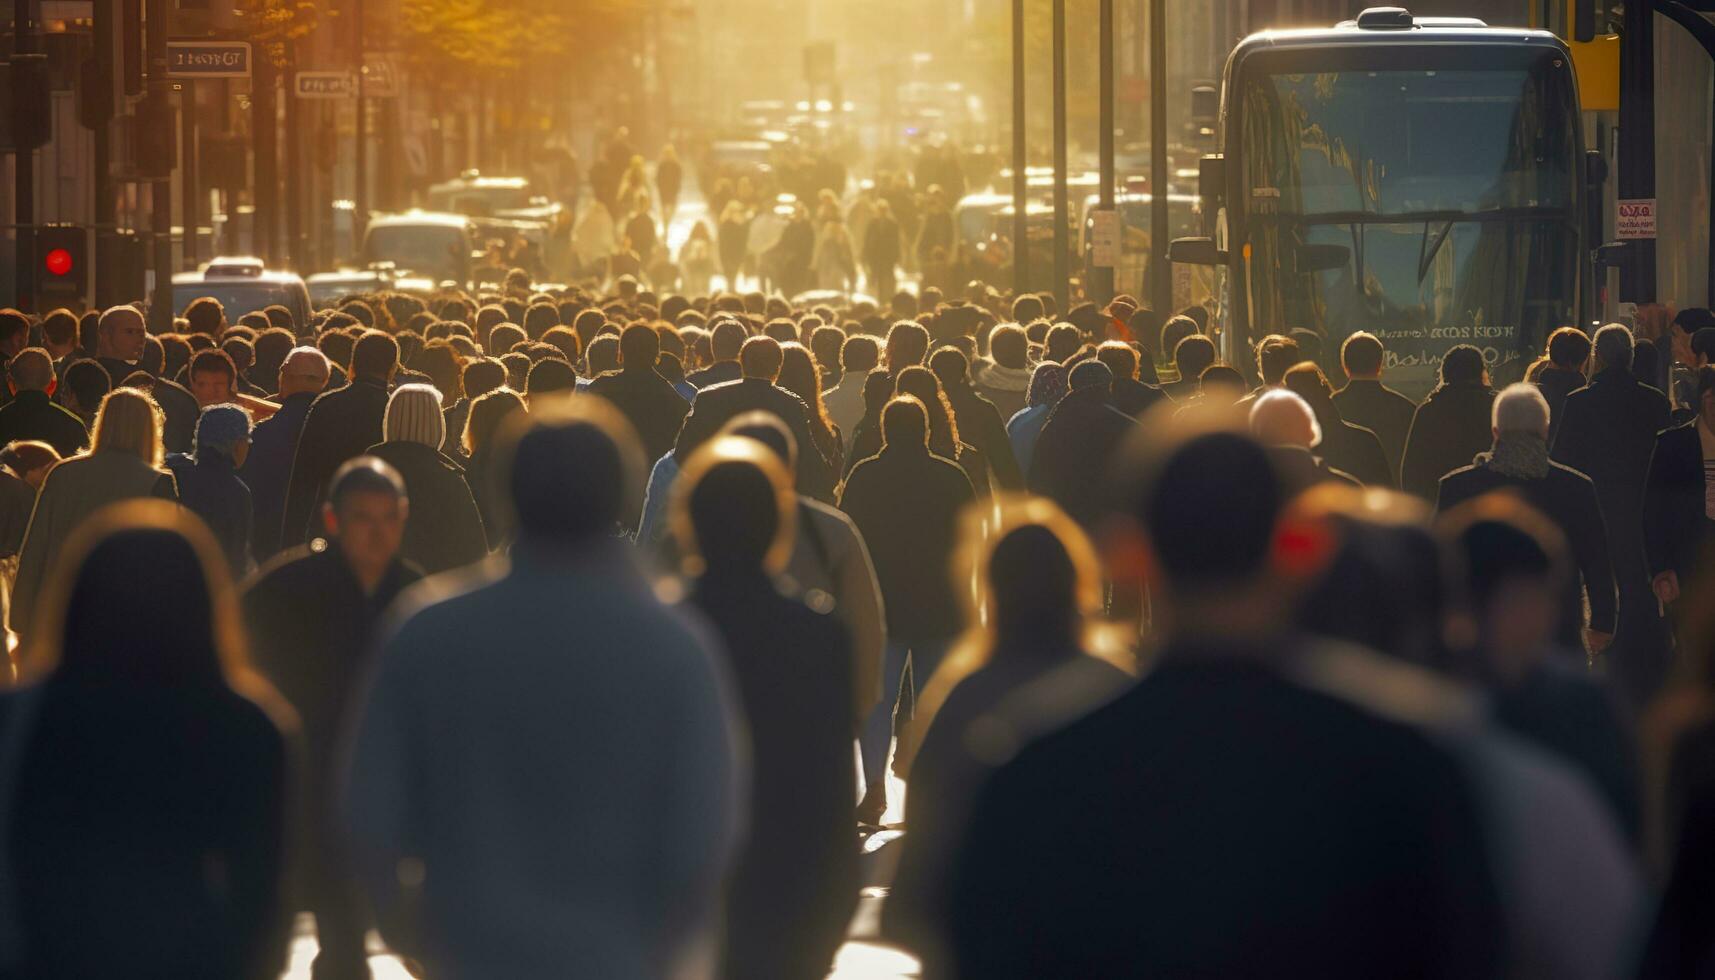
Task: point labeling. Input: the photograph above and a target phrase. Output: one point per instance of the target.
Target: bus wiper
(1430, 246)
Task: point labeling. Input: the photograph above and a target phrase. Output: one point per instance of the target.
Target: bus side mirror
(1595, 168)
(1613, 254)
(1195, 251)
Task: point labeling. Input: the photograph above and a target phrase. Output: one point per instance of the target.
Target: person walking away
(835, 265)
(669, 178)
(859, 355)
(881, 247)
(647, 400)
(906, 503)
(1520, 463)
(445, 528)
(138, 694)
(124, 462)
(1568, 359)
(795, 880)
(487, 414)
(1345, 446)
(274, 441)
(1366, 401)
(760, 359)
(726, 337)
(595, 238)
(1607, 432)
(978, 420)
(697, 261)
(1679, 504)
(209, 485)
(1070, 462)
(1004, 378)
(1075, 862)
(341, 425)
(32, 414)
(313, 616)
(640, 231)
(642, 713)
(1451, 426)
(734, 234)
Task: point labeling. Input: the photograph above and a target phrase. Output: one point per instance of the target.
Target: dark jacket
(268, 469)
(17, 500)
(1381, 410)
(1568, 498)
(1556, 383)
(981, 426)
(1355, 450)
(1607, 432)
(341, 424)
(444, 530)
(180, 408)
(1302, 469)
(1075, 451)
(1677, 528)
(906, 503)
(1155, 838)
(794, 884)
(648, 400)
(209, 486)
(33, 415)
(147, 838)
(1133, 397)
(482, 475)
(719, 404)
(720, 372)
(1450, 428)
(456, 415)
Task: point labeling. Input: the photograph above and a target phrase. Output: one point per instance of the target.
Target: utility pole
(1160, 270)
(1103, 288)
(1020, 160)
(360, 197)
(188, 170)
(1062, 272)
(295, 170)
(161, 206)
(23, 167)
(106, 204)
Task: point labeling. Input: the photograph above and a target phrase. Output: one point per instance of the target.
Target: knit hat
(220, 427)
(1089, 374)
(414, 415)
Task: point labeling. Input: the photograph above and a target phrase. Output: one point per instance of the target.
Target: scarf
(1520, 455)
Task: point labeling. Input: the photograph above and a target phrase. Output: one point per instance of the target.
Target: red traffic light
(57, 262)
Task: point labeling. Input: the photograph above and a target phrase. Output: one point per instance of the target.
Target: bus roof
(1370, 30)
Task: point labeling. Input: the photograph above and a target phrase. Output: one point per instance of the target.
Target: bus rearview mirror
(1195, 251)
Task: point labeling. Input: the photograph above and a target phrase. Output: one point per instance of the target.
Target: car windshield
(481, 200)
(435, 250)
(236, 298)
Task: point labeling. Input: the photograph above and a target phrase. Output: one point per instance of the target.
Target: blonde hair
(129, 421)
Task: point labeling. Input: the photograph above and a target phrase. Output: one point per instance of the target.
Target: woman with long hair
(921, 383)
(124, 461)
(150, 775)
(798, 375)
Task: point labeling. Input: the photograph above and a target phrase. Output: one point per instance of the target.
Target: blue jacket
(268, 468)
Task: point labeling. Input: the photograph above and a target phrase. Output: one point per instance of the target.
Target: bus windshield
(1430, 207)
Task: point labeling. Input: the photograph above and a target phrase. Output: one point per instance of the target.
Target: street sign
(379, 79)
(208, 59)
(325, 85)
(1105, 238)
(1635, 218)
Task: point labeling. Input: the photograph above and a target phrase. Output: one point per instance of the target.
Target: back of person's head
(25, 456)
(859, 354)
(1047, 384)
(414, 415)
(1693, 318)
(951, 368)
(1175, 330)
(639, 347)
(59, 328)
(481, 376)
(445, 368)
(1509, 564)
(31, 370)
(1193, 355)
(1361, 355)
(1144, 323)
(726, 339)
(574, 472)
(539, 319)
(1307, 381)
(1089, 374)
(734, 508)
(602, 354)
(487, 411)
(1042, 580)
(1283, 418)
(220, 429)
(141, 598)
(761, 357)
(1613, 345)
(128, 422)
(1120, 357)
(504, 337)
(1062, 342)
(1646, 364)
(1569, 348)
(1027, 307)
(1463, 365)
(827, 343)
(375, 356)
(1008, 346)
(905, 424)
(1275, 354)
(1309, 343)
(1520, 409)
(205, 316)
(766, 428)
(1703, 345)
(907, 344)
(88, 382)
(781, 329)
(549, 376)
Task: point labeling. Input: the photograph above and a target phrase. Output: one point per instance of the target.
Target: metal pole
(188, 171)
(360, 196)
(23, 171)
(1062, 273)
(1636, 156)
(1102, 288)
(1160, 272)
(295, 175)
(106, 210)
(158, 12)
(1020, 160)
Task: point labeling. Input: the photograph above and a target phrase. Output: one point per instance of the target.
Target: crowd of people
(577, 634)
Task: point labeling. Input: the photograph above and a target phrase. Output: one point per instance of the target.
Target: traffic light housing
(157, 137)
(24, 99)
(62, 265)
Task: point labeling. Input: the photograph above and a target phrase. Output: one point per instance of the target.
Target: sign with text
(325, 85)
(1105, 238)
(208, 59)
(1634, 218)
(380, 81)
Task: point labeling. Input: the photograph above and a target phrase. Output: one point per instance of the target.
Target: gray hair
(1521, 408)
(1277, 412)
(1614, 346)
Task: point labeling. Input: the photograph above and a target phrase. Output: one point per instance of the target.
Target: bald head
(120, 333)
(31, 370)
(1282, 418)
(304, 369)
